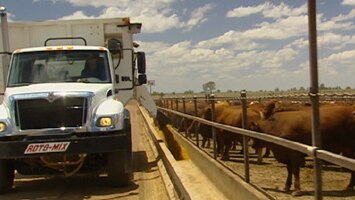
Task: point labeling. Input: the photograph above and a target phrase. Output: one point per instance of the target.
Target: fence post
(176, 116)
(316, 137)
(196, 113)
(172, 104)
(243, 95)
(213, 118)
(183, 118)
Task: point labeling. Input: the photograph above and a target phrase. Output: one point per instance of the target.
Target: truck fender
(114, 109)
(5, 118)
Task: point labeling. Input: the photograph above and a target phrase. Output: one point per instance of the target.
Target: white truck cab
(63, 107)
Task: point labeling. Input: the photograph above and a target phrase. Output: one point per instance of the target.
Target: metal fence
(171, 105)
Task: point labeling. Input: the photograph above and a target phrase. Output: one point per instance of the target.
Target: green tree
(209, 87)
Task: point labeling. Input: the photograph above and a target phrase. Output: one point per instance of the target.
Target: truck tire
(118, 176)
(7, 175)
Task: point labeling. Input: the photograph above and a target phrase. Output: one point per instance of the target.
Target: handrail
(312, 151)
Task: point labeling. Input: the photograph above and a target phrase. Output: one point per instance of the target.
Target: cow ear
(262, 115)
(253, 126)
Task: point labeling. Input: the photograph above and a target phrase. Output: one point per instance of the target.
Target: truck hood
(99, 90)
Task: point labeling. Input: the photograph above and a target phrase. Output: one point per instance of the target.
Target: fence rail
(312, 151)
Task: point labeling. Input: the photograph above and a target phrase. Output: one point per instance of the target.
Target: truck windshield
(87, 66)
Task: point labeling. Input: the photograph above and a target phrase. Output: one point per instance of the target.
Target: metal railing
(172, 106)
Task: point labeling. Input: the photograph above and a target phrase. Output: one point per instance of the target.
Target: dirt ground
(271, 176)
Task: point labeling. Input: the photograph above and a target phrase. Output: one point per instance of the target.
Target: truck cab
(63, 108)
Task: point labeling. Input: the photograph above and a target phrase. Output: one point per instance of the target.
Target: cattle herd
(290, 120)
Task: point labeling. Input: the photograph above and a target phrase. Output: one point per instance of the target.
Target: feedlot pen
(270, 175)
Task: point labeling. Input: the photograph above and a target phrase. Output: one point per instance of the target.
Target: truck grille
(40, 113)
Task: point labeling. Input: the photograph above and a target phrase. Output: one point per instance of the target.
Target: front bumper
(11, 148)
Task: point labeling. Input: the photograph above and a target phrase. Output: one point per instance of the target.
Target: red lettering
(56, 147)
(64, 147)
(35, 148)
(46, 146)
(40, 146)
(29, 149)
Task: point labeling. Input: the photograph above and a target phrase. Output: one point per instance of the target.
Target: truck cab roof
(64, 47)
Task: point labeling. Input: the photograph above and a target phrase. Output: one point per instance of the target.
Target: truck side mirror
(114, 46)
(141, 62)
(142, 79)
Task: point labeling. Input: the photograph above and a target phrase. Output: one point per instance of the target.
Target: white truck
(56, 114)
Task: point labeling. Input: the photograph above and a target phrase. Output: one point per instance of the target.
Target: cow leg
(259, 152)
(220, 143)
(351, 182)
(203, 142)
(267, 152)
(227, 147)
(208, 142)
(296, 173)
(289, 178)
(234, 145)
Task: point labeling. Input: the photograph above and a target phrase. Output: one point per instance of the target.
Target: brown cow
(337, 128)
(233, 117)
(268, 109)
(206, 113)
(184, 123)
(228, 115)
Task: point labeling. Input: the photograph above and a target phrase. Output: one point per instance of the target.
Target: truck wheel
(116, 168)
(7, 175)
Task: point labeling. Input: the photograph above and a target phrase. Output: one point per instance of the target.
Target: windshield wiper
(19, 84)
(83, 80)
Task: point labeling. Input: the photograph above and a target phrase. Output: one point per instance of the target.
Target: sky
(238, 44)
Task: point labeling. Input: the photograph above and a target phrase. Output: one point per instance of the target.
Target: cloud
(154, 21)
(280, 29)
(301, 43)
(268, 10)
(335, 41)
(275, 47)
(122, 3)
(197, 17)
(245, 11)
(345, 57)
(328, 25)
(231, 39)
(341, 17)
(283, 10)
(348, 2)
(77, 15)
(187, 59)
(336, 69)
(156, 15)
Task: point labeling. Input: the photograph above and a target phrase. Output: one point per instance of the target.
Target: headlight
(2, 127)
(104, 121)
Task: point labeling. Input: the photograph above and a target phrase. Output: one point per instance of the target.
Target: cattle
(337, 129)
(185, 123)
(267, 109)
(206, 130)
(228, 115)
